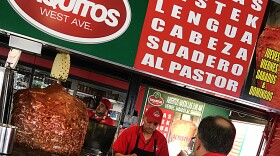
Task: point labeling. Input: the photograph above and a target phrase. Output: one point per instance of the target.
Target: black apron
(141, 152)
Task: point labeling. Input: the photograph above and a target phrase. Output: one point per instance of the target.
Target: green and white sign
(108, 30)
(174, 102)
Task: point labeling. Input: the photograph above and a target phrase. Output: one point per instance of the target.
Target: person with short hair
(215, 137)
(143, 140)
(101, 113)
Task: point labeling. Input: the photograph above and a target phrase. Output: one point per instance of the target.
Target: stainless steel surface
(91, 152)
(7, 138)
(6, 96)
(20, 150)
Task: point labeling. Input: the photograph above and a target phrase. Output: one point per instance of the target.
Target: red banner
(166, 122)
(208, 44)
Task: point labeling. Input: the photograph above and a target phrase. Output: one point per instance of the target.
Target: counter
(24, 151)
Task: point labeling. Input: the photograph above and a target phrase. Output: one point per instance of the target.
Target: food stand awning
(183, 42)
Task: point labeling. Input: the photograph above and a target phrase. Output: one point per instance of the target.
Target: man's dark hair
(217, 134)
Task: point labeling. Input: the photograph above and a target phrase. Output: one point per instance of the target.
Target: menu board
(207, 44)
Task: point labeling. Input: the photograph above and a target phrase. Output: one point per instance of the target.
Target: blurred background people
(101, 113)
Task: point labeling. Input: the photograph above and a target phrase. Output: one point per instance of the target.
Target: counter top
(24, 151)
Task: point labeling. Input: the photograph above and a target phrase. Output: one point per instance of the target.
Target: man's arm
(111, 122)
(121, 145)
(164, 148)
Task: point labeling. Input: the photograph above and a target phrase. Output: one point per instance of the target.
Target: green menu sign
(174, 102)
(108, 30)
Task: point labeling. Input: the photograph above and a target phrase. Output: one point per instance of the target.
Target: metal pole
(130, 102)
(9, 99)
(6, 95)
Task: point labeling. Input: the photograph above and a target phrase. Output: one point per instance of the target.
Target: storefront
(187, 61)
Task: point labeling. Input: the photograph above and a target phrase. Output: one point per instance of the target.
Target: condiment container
(7, 138)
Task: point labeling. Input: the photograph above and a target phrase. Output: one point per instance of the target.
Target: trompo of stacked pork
(50, 119)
